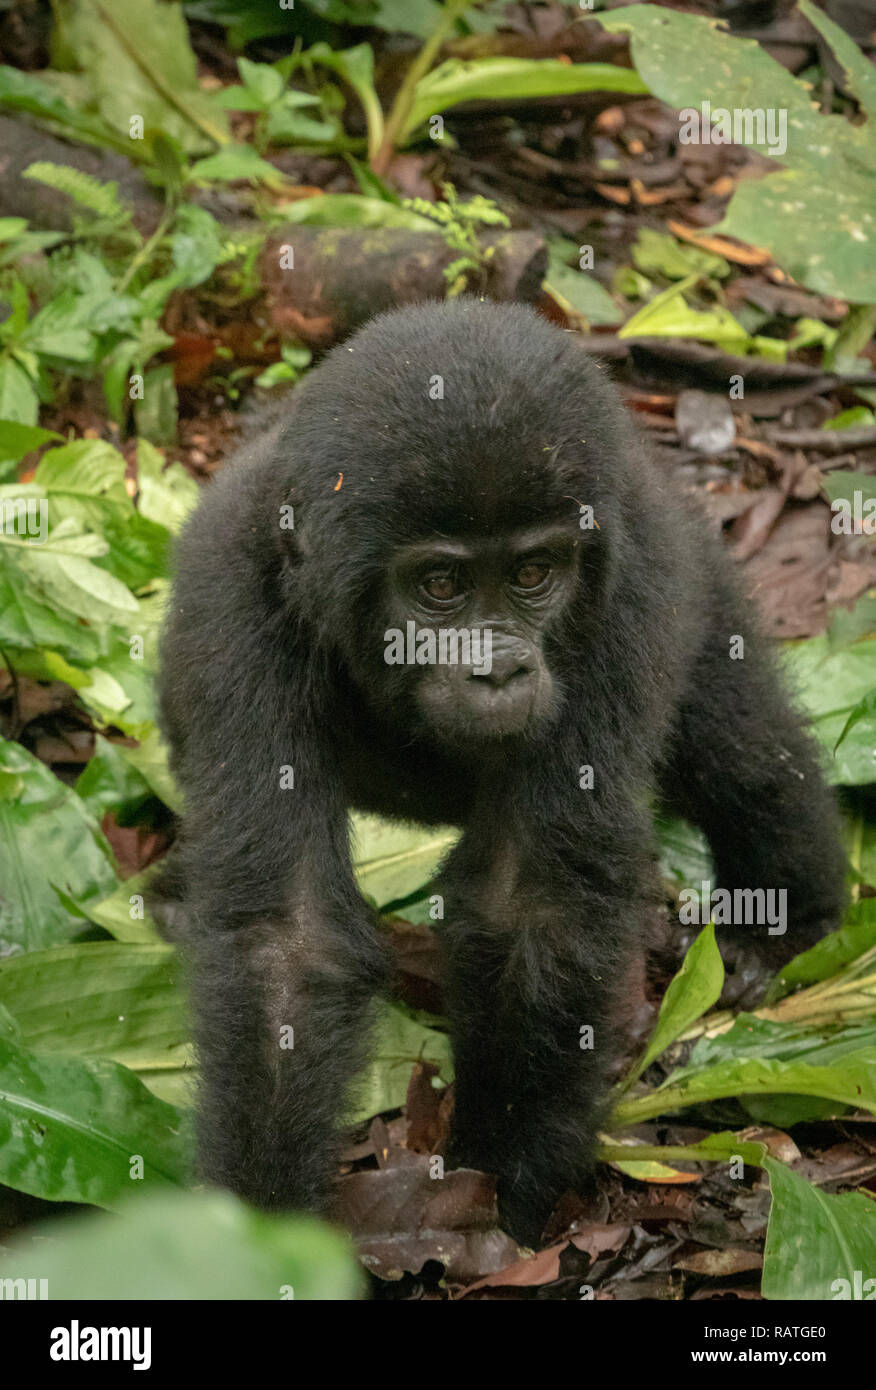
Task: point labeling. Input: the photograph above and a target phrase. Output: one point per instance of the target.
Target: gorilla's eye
(441, 587)
(531, 575)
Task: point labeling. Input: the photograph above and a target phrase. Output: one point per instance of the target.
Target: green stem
(146, 250)
(404, 100)
(654, 1153)
(669, 1098)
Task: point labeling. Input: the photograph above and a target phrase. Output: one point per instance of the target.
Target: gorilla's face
(468, 618)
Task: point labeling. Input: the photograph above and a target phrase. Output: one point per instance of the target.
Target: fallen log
(323, 282)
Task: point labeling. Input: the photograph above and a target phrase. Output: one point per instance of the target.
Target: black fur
(273, 657)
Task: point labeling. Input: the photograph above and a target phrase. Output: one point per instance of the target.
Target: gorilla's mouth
(470, 708)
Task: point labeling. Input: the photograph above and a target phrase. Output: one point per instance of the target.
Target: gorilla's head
(452, 522)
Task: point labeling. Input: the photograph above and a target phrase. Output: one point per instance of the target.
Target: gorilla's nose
(508, 664)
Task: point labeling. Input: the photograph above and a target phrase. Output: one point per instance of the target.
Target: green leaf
(849, 419)
(197, 246)
(830, 684)
(684, 852)
(100, 999)
(864, 710)
(138, 60)
(167, 493)
(109, 782)
(658, 253)
(262, 79)
(851, 1081)
(156, 413)
(97, 196)
(753, 1037)
(70, 1130)
(236, 162)
(825, 193)
(18, 398)
(352, 210)
(16, 440)
(24, 91)
(189, 1245)
(398, 1043)
(124, 913)
(832, 952)
(577, 293)
(85, 482)
(355, 66)
(859, 71)
(816, 1241)
(393, 860)
(514, 79)
(48, 841)
(668, 316)
(30, 622)
(692, 992)
(150, 760)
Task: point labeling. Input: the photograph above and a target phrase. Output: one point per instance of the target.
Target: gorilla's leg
(538, 940)
(743, 769)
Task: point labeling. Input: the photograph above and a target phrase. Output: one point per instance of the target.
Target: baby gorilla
(459, 480)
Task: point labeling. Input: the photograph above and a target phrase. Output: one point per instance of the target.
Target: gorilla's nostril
(502, 674)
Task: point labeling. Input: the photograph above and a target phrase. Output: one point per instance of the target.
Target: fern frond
(84, 189)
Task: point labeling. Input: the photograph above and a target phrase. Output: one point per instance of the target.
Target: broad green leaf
(832, 952)
(189, 1246)
(684, 851)
(109, 782)
(356, 67)
(100, 999)
(397, 1044)
(18, 398)
(71, 1130)
(17, 439)
(85, 481)
(24, 91)
(818, 1246)
(658, 253)
(29, 620)
(514, 79)
(667, 315)
(263, 79)
(74, 584)
(830, 683)
(754, 1036)
(236, 162)
(393, 860)
(149, 759)
(48, 841)
(578, 293)
(851, 1081)
(692, 992)
(816, 213)
(859, 71)
(849, 419)
(138, 60)
(352, 210)
(156, 413)
(124, 914)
